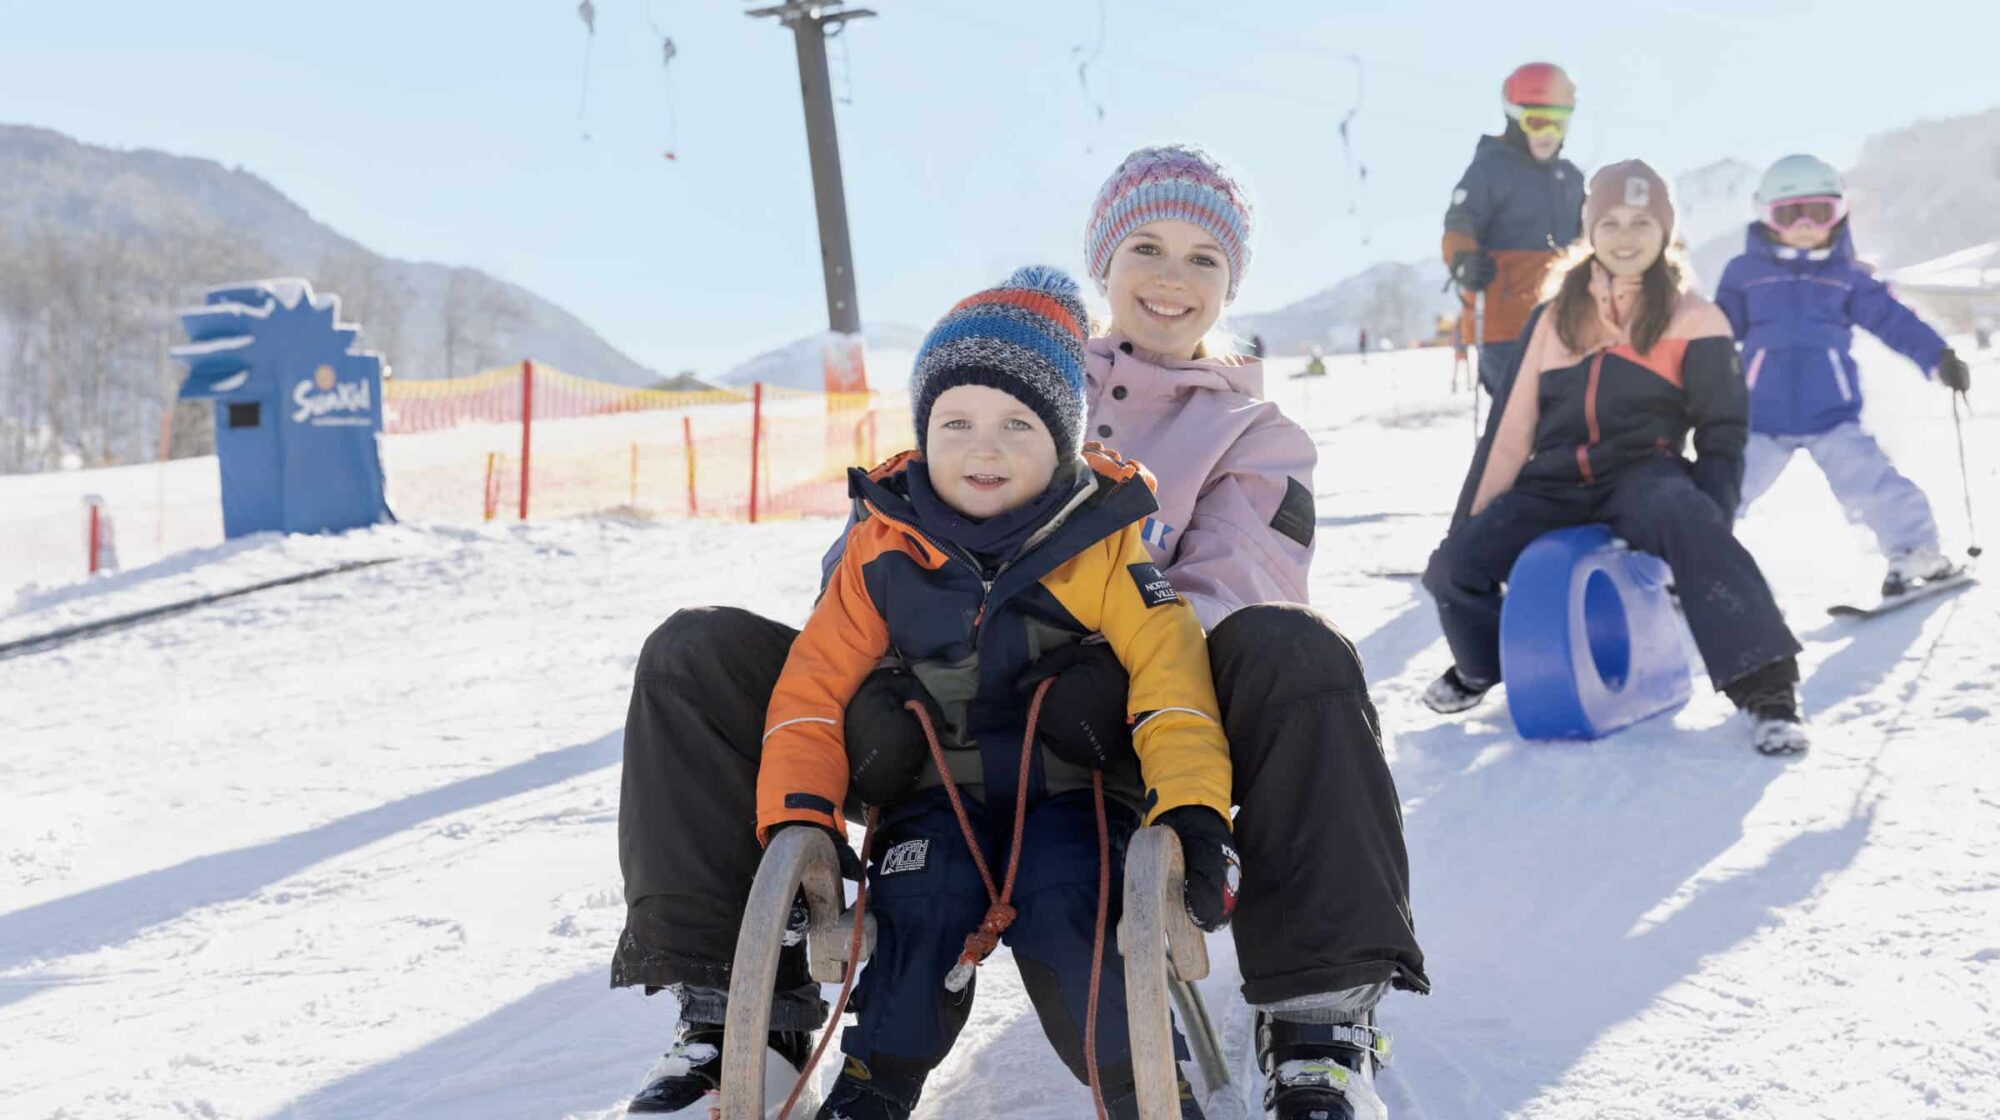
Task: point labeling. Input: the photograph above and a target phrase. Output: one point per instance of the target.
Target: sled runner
(798, 861)
(1164, 953)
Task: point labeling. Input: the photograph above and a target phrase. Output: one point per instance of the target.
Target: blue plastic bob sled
(1589, 639)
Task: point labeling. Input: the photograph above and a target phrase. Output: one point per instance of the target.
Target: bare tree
(371, 297)
(84, 322)
(1390, 311)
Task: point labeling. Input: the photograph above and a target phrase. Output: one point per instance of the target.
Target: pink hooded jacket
(1235, 524)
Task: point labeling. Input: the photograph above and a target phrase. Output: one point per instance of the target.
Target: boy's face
(987, 451)
(1167, 283)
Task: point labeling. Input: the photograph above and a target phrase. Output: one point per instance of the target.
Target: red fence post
(527, 426)
(687, 444)
(756, 442)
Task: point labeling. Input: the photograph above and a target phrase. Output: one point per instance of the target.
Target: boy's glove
(885, 743)
(850, 864)
(1083, 716)
(1474, 269)
(1953, 372)
(1214, 874)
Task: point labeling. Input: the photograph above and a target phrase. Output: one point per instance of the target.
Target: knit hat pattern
(1170, 181)
(1629, 183)
(1024, 338)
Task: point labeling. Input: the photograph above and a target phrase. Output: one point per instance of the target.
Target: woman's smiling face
(1167, 284)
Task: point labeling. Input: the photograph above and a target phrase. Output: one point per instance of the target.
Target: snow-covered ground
(346, 849)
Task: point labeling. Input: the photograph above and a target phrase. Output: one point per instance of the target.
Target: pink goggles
(1819, 211)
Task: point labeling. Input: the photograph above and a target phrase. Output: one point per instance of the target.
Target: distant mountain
(796, 365)
(1927, 190)
(1395, 303)
(428, 319)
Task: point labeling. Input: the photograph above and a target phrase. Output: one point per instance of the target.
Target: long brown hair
(1575, 309)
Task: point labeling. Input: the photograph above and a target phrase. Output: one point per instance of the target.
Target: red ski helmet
(1537, 84)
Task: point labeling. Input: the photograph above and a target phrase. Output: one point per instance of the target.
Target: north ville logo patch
(1154, 588)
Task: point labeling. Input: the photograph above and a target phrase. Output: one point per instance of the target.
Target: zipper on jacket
(1840, 375)
(1590, 417)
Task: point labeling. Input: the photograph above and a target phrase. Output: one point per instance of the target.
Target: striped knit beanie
(1024, 338)
(1171, 181)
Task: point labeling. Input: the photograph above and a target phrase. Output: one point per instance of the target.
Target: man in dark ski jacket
(1517, 206)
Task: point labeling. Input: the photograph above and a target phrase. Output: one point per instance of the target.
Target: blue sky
(448, 130)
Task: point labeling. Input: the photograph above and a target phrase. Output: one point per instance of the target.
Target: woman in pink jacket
(1322, 922)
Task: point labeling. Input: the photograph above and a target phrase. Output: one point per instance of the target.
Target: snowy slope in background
(1927, 190)
(347, 849)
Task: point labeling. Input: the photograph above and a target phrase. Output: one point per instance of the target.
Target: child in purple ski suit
(1793, 299)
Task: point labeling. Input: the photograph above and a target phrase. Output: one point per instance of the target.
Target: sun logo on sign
(323, 377)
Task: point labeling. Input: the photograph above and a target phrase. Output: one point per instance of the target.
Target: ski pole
(1964, 476)
(1479, 340)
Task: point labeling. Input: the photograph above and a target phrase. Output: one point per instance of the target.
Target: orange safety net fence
(454, 449)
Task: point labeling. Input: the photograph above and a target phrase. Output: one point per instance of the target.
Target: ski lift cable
(587, 12)
(839, 31)
(1296, 44)
(1085, 58)
(1164, 64)
(668, 52)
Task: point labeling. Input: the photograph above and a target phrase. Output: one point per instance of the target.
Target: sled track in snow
(39, 643)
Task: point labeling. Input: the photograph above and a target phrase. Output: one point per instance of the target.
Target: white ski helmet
(1799, 176)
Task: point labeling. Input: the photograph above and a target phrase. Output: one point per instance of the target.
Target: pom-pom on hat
(1170, 181)
(1024, 338)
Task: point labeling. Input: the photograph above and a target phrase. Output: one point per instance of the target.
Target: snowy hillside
(346, 850)
(75, 190)
(1929, 189)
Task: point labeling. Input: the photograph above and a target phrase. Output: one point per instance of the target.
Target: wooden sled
(798, 859)
(1163, 949)
(1164, 955)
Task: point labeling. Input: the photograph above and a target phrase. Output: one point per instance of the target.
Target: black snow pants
(1655, 507)
(1325, 898)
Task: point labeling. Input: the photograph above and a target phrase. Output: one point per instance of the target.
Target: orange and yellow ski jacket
(903, 593)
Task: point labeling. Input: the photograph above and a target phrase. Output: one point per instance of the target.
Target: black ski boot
(1320, 1071)
(863, 1094)
(686, 1082)
(1451, 693)
(1769, 698)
